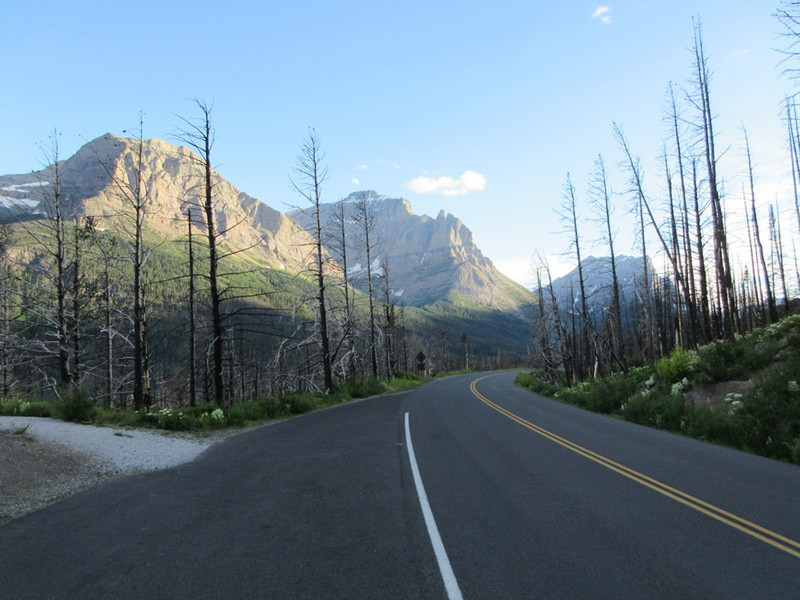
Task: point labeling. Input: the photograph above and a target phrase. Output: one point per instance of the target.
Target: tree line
(137, 320)
(704, 291)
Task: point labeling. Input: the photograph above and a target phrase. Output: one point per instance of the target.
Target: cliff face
(98, 180)
(429, 259)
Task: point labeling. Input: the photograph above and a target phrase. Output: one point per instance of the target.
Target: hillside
(438, 273)
(93, 183)
(597, 280)
(743, 393)
(430, 260)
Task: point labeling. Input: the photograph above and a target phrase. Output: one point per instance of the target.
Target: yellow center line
(752, 529)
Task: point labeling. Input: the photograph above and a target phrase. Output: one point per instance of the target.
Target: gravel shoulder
(51, 459)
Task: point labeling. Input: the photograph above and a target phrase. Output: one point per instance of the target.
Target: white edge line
(450, 583)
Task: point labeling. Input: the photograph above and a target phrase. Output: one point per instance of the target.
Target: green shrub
(536, 384)
(239, 414)
(17, 407)
(76, 405)
(271, 407)
(38, 409)
(714, 425)
(771, 413)
(677, 365)
(362, 388)
(299, 405)
(654, 410)
(606, 394)
(405, 375)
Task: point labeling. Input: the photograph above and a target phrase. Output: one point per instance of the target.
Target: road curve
(531, 499)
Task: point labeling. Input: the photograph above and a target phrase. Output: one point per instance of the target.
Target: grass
(764, 421)
(75, 405)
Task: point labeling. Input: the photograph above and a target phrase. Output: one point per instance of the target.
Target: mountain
(597, 281)
(91, 183)
(430, 260)
(442, 277)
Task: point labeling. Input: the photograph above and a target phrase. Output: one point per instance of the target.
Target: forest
(695, 284)
(130, 320)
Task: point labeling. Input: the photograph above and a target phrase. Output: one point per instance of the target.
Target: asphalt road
(532, 499)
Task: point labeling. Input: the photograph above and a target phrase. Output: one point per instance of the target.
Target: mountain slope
(430, 260)
(436, 268)
(597, 281)
(94, 182)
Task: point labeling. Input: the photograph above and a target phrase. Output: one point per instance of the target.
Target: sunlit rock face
(101, 178)
(429, 258)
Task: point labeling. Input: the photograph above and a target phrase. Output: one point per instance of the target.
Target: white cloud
(362, 167)
(602, 13)
(469, 181)
(356, 181)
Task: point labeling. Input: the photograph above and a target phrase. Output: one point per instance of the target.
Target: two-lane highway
(538, 499)
(529, 499)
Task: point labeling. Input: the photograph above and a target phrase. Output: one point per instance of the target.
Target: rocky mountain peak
(429, 259)
(98, 180)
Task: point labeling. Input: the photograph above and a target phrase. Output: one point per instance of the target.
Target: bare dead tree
(569, 216)
(773, 314)
(706, 127)
(55, 210)
(199, 135)
(675, 119)
(338, 248)
(600, 200)
(364, 220)
(311, 173)
(192, 366)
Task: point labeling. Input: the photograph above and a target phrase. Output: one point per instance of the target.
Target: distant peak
(368, 195)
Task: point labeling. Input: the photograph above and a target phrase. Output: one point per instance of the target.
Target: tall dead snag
(702, 272)
(773, 313)
(310, 175)
(777, 250)
(364, 220)
(635, 178)
(682, 334)
(6, 285)
(388, 320)
(564, 347)
(549, 366)
(57, 250)
(192, 324)
(600, 199)
(637, 188)
(756, 305)
(199, 135)
(83, 232)
(569, 216)
(338, 248)
(706, 126)
(688, 262)
(130, 186)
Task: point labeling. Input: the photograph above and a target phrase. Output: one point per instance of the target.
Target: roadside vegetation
(78, 406)
(743, 393)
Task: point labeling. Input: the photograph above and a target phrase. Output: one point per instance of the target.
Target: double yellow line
(752, 529)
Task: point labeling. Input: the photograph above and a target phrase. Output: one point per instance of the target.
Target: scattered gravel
(53, 459)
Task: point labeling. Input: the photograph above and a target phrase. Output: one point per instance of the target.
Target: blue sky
(407, 97)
